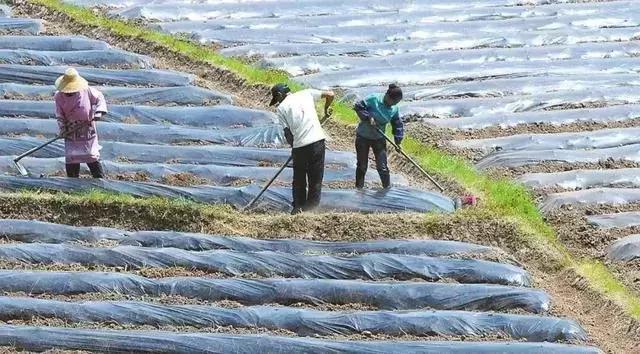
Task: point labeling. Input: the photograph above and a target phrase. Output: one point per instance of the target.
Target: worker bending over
(297, 112)
(78, 106)
(375, 111)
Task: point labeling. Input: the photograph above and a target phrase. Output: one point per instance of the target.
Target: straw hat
(71, 82)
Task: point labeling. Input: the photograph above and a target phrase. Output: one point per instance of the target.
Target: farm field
(543, 93)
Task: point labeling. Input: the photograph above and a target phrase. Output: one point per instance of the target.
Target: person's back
(298, 113)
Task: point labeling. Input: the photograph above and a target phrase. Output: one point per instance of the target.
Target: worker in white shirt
(297, 113)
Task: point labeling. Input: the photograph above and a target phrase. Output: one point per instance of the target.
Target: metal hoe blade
(23, 171)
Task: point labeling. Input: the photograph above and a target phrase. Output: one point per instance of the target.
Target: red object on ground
(469, 200)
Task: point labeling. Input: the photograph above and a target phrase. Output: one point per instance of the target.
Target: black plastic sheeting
(615, 220)
(155, 96)
(95, 58)
(626, 249)
(44, 338)
(303, 322)
(36, 231)
(47, 75)
(220, 175)
(52, 43)
(146, 153)
(383, 295)
(263, 136)
(24, 25)
(277, 198)
(372, 266)
(223, 116)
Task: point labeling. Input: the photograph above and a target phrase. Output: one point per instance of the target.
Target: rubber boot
(385, 178)
(360, 179)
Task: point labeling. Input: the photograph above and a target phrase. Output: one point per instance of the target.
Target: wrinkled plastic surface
(31, 231)
(47, 75)
(597, 139)
(529, 157)
(265, 136)
(24, 25)
(52, 43)
(303, 322)
(5, 10)
(616, 220)
(43, 338)
(372, 266)
(504, 87)
(612, 114)
(582, 179)
(614, 196)
(223, 116)
(467, 72)
(470, 107)
(625, 249)
(298, 65)
(383, 295)
(200, 154)
(277, 198)
(157, 96)
(221, 175)
(95, 58)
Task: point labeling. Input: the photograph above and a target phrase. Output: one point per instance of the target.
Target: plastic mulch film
(530, 157)
(615, 220)
(52, 43)
(265, 136)
(5, 11)
(625, 249)
(201, 154)
(221, 175)
(507, 40)
(299, 65)
(612, 114)
(583, 179)
(397, 199)
(383, 295)
(621, 16)
(504, 87)
(156, 96)
(468, 72)
(597, 139)
(612, 196)
(36, 231)
(371, 266)
(44, 338)
(222, 116)
(47, 75)
(95, 58)
(24, 25)
(469, 107)
(303, 322)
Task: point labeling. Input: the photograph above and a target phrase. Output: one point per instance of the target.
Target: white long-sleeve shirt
(298, 113)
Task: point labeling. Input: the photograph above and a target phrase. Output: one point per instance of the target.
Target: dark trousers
(73, 169)
(379, 147)
(308, 168)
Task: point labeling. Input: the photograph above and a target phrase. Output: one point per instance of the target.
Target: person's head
(393, 95)
(71, 82)
(278, 93)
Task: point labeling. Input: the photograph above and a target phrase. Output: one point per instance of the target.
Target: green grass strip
(501, 197)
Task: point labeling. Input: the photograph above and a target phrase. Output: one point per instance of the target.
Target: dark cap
(278, 90)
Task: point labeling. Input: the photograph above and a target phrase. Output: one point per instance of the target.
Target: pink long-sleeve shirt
(76, 110)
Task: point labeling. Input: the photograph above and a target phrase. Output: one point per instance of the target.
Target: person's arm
(288, 135)
(397, 127)
(98, 103)
(62, 122)
(328, 97)
(361, 110)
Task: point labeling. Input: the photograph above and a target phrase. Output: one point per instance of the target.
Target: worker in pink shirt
(78, 106)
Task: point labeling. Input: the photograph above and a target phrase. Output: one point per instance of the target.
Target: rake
(16, 162)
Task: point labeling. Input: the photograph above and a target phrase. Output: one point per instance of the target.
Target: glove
(372, 121)
(97, 116)
(288, 136)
